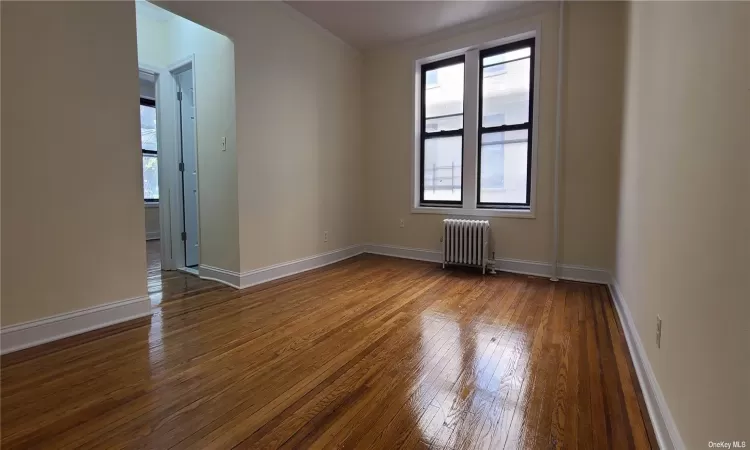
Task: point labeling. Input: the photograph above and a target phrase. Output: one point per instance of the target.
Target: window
(442, 132)
(505, 119)
(149, 151)
(493, 172)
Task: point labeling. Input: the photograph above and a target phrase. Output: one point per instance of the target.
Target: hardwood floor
(172, 285)
(372, 352)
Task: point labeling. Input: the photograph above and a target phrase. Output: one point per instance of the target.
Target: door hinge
(184, 236)
(179, 96)
(182, 167)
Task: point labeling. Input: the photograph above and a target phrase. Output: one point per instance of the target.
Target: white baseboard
(667, 435)
(286, 269)
(151, 235)
(228, 277)
(264, 274)
(404, 252)
(567, 272)
(36, 332)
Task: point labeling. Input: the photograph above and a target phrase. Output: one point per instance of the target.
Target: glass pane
(444, 91)
(442, 168)
(505, 94)
(148, 127)
(444, 123)
(507, 56)
(150, 177)
(504, 167)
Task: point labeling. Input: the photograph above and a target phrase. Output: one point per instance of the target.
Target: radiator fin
(466, 242)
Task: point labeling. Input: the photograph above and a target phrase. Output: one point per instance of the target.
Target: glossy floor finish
(165, 286)
(372, 352)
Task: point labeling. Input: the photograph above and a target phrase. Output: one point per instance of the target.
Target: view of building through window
(504, 95)
(149, 150)
(444, 122)
(506, 85)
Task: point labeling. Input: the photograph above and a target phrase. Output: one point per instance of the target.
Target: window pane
(495, 71)
(442, 168)
(444, 91)
(505, 94)
(148, 128)
(507, 56)
(504, 167)
(444, 123)
(150, 177)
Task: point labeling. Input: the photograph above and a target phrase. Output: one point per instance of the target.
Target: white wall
(153, 230)
(682, 243)
(298, 141)
(594, 52)
(153, 37)
(215, 118)
(72, 196)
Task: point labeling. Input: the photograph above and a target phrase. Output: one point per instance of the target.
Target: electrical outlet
(658, 332)
(401, 223)
(325, 236)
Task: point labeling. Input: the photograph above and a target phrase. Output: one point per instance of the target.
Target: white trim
(174, 178)
(558, 149)
(36, 332)
(667, 435)
(152, 235)
(480, 212)
(265, 274)
(582, 273)
(536, 268)
(228, 277)
(189, 270)
(164, 155)
(404, 252)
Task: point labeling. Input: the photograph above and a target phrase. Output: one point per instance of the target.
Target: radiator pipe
(558, 150)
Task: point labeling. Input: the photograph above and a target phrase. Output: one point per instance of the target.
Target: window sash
(528, 125)
(425, 135)
(152, 104)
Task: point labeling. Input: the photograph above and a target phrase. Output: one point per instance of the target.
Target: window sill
(475, 212)
(151, 205)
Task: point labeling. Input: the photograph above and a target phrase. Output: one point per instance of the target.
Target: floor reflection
(480, 358)
(369, 353)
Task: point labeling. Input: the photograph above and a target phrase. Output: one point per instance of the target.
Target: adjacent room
(184, 70)
(374, 224)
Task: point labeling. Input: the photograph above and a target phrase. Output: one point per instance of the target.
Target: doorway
(191, 66)
(188, 164)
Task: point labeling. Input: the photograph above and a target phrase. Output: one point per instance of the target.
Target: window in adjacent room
(149, 151)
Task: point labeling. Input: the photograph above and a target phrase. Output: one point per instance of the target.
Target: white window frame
(471, 124)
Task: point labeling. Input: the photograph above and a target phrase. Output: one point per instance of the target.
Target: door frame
(174, 176)
(168, 151)
(164, 151)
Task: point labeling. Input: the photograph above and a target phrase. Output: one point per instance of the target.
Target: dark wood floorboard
(372, 352)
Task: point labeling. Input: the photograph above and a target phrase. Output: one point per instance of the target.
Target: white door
(189, 167)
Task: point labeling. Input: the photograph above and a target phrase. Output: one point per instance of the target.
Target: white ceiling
(368, 24)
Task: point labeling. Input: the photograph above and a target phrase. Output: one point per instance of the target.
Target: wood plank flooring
(373, 352)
